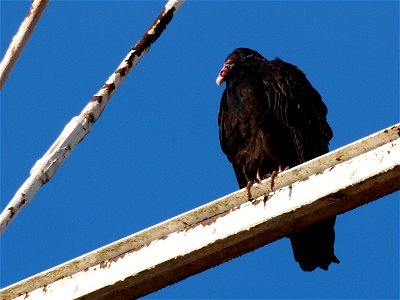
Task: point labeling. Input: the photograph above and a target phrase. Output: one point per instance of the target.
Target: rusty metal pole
(20, 39)
(76, 130)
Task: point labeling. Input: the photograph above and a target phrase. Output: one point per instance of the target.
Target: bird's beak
(220, 80)
(222, 74)
(224, 71)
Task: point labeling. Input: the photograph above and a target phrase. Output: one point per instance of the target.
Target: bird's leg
(248, 188)
(275, 173)
(281, 170)
(250, 183)
(258, 177)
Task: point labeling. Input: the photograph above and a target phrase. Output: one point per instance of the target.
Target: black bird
(271, 117)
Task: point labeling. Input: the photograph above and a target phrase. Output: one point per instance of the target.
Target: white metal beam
(77, 129)
(20, 39)
(226, 228)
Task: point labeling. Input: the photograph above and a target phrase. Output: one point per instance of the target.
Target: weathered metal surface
(95, 107)
(20, 39)
(79, 126)
(227, 227)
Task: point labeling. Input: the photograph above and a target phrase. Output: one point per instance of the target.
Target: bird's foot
(248, 188)
(274, 174)
(250, 184)
(258, 179)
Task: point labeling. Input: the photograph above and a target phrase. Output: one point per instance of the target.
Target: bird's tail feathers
(313, 247)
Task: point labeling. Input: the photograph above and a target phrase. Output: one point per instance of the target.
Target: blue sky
(155, 153)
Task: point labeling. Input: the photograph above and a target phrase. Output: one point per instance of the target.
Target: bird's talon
(248, 188)
(273, 175)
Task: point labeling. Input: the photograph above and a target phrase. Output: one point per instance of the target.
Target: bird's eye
(229, 63)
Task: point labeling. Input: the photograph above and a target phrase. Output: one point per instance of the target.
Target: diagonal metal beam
(228, 227)
(20, 39)
(77, 129)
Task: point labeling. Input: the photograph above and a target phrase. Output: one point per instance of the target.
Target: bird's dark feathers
(270, 116)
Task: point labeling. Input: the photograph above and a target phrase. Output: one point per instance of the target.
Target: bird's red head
(229, 63)
(238, 55)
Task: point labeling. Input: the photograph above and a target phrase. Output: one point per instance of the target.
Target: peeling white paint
(231, 218)
(75, 130)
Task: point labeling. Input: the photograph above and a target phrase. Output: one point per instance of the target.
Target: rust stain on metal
(114, 259)
(104, 265)
(213, 219)
(136, 249)
(59, 278)
(187, 228)
(109, 87)
(98, 99)
(107, 263)
(121, 71)
(154, 32)
(266, 198)
(339, 158)
(12, 214)
(26, 295)
(22, 203)
(89, 116)
(208, 221)
(45, 289)
(163, 237)
(151, 35)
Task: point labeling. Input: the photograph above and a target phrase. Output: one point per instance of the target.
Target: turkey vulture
(271, 117)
